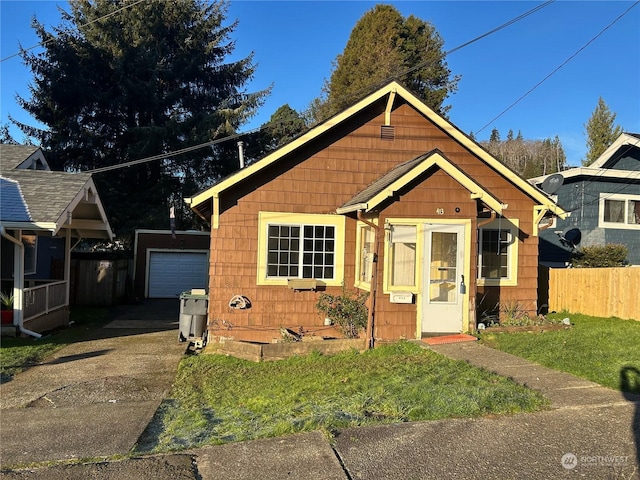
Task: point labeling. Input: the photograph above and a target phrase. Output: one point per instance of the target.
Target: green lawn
(16, 354)
(218, 399)
(597, 349)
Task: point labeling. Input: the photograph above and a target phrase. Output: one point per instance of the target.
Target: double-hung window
(498, 253)
(619, 211)
(300, 246)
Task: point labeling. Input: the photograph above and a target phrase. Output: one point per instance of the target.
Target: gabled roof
(591, 173)
(625, 139)
(390, 183)
(52, 200)
(391, 90)
(599, 168)
(14, 157)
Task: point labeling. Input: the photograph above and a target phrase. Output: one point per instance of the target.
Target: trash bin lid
(198, 293)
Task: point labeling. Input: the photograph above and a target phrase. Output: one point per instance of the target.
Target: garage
(168, 263)
(171, 273)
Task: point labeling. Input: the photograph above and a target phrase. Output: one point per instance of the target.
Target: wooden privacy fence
(601, 292)
(98, 282)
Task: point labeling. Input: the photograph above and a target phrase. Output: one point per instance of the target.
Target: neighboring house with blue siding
(43, 214)
(604, 201)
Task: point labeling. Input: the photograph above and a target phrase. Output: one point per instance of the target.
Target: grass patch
(218, 399)
(17, 354)
(597, 349)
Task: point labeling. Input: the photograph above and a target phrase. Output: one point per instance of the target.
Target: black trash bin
(193, 317)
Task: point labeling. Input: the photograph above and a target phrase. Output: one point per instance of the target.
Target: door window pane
(443, 263)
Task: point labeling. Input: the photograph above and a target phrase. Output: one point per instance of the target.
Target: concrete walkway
(590, 432)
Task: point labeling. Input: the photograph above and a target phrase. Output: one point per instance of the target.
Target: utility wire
(559, 67)
(359, 93)
(364, 90)
(163, 156)
(53, 37)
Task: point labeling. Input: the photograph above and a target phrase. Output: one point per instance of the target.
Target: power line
(163, 156)
(367, 89)
(345, 97)
(559, 67)
(53, 37)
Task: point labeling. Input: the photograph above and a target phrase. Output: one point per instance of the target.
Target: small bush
(347, 310)
(611, 255)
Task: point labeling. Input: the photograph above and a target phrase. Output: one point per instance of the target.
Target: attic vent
(387, 132)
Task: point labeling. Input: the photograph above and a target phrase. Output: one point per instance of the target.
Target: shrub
(347, 310)
(611, 255)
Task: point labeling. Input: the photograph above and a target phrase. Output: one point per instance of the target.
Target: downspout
(488, 220)
(18, 292)
(374, 281)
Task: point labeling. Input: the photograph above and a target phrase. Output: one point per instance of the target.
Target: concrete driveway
(94, 397)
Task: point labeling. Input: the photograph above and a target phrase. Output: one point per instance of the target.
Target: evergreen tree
(601, 132)
(5, 136)
(151, 78)
(384, 46)
(283, 126)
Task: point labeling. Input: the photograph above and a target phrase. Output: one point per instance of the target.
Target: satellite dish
(552, 183)
(570, 237)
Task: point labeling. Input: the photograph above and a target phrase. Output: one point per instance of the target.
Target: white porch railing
(43, 299)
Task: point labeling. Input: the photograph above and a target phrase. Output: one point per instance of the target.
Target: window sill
(303, 283)
(619, 226)
(490, 282)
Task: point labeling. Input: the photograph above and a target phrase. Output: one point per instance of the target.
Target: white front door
(443, 285)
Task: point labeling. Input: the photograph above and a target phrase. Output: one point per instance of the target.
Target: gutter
(18, 298)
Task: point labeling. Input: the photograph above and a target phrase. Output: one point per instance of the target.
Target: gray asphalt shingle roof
(13, 208)
(44, 194)
(384, 181)
(13, 155)
(48, 193)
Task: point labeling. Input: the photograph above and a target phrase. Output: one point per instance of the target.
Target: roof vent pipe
(241, 154)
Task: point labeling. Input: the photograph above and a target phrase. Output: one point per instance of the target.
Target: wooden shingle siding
(324, 174)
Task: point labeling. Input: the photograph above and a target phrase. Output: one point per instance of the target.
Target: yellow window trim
(266, 218)
(362, 285)
(386, 280)
(513, 225)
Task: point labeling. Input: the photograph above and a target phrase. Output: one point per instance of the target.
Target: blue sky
(295, 42)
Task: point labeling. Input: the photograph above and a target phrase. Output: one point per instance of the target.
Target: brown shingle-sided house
(386, 197)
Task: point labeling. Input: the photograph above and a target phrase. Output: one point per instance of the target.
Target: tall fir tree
(601, 132)
(383, 46)
(117, 83)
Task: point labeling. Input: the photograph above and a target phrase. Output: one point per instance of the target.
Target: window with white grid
(301, 251)
(300, 246)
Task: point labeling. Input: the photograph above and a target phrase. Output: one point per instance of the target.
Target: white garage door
(171, 273)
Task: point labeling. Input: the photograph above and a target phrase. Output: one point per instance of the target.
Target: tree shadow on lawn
(630, 387)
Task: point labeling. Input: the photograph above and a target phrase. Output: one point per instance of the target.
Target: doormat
(460, 337)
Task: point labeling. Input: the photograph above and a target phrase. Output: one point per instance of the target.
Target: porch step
(457, 338)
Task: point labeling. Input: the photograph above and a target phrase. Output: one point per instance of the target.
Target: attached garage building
(166, 266)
